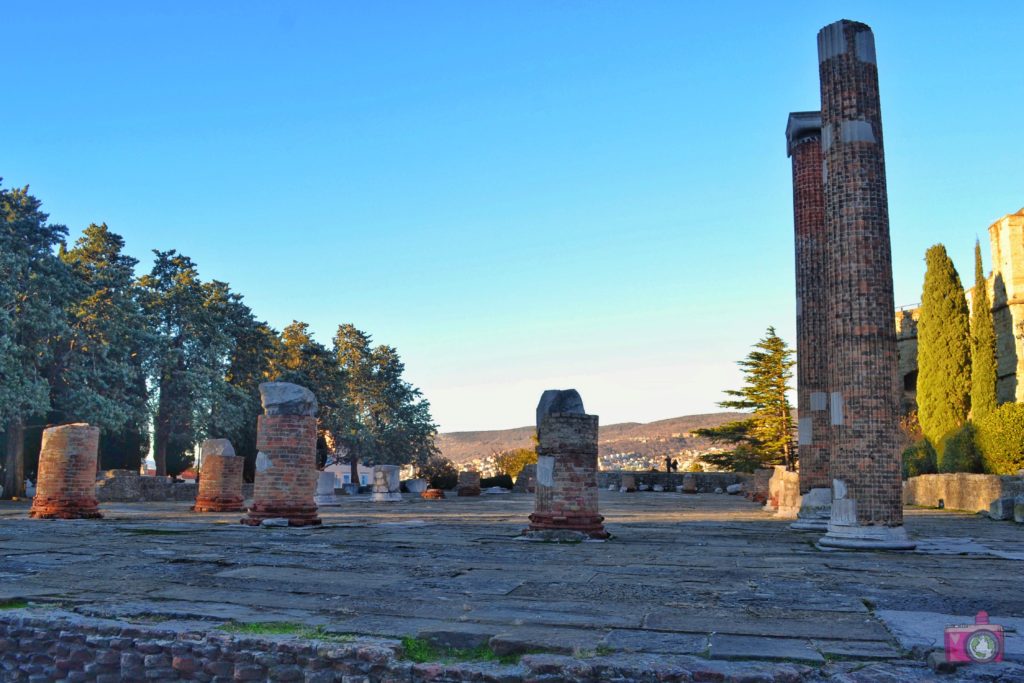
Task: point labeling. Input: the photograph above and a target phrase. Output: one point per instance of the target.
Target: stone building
(1006, 292)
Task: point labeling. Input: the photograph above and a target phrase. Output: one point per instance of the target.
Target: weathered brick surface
(568, 500)
(861, 339)
(66, 488)
(286, 487)
(811, 248)
(220, 484)
(469, 483)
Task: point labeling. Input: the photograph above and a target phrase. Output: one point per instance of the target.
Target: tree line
(160, 361)
(959, 424)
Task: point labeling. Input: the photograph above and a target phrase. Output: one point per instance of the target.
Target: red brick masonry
(812, 352)
(67, 473)
(220, 484)
(567, 501)
(864, 391)
(286, 486)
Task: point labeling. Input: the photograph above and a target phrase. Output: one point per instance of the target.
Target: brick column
(864, 403)
(566, 498)
(220, 478)
(286, 473)
(803, 145)
(66, 485)
(468, 484)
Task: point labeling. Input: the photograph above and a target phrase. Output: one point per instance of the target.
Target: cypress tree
(983, 345)
(943, 348)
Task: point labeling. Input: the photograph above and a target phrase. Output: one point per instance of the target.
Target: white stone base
(326, 500)
(857, 537)
(377, 497)
(815, 511)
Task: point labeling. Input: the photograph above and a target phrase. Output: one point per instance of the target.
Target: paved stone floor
(710, 575)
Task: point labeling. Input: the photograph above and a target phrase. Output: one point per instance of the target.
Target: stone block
(325, 485)
(1001, 509)
(284, 398)
(1018, 509)
(416, 486)
(526, 481)
(469, 484)
(387, 486)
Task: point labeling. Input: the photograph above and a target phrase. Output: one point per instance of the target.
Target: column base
(55, 508)
(469, 491)
(297, 515)
(222, 504)
(326, 500)
(591, 525)
(815, 511)
(866, 537)
(386, 497)
(433, 494)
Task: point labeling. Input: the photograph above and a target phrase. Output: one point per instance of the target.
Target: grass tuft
(14, 603)
(284, 628)
(422, 651)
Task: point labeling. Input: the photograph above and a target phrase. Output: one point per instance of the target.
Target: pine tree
(189, 358)
(34, 284)
(943, 349)
(983, 345)
(96, 375)
(766, 437)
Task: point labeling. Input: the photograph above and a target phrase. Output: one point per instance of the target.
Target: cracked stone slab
(635, 640)
(921, 632)
(724, 646)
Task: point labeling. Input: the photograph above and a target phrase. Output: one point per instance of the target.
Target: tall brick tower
(803, 145)
(864, 394)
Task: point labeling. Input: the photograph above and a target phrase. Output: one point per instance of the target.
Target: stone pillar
(864, 395)
(566, 499)
(286, 473)
(325, 484)
(387, 484)
(66, 484)
(469, 484)
(803, 145)
(220, 478)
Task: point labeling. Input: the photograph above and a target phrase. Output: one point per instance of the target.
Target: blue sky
(518, 195)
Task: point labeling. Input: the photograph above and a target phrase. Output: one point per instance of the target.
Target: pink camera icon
(978, 642)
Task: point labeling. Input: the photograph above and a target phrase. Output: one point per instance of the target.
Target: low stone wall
(707, 482)
(972, 492)
(61, 646)
(126, 486)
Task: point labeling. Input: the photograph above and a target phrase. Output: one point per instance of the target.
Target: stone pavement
(705, 575)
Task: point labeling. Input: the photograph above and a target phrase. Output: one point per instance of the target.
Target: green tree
(1000, 439)
(391, 421)
(983, 345)
(254, 346)
(943, 349)
(96, 374)
(189, 357)
(766, 437)
(512, 461)
(34, 284)
(439, 471)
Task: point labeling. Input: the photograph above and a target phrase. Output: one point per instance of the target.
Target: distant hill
(659, 438)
